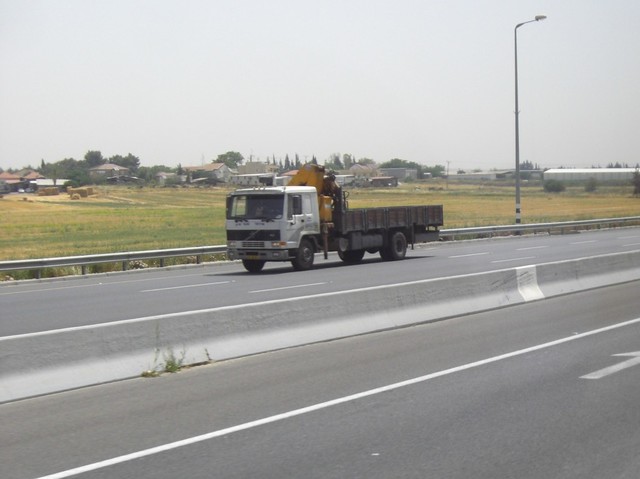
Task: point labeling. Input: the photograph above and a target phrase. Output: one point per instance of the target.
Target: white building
(584, 174)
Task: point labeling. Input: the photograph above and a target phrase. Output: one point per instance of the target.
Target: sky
(428, 81)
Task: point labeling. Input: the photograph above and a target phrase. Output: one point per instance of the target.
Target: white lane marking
(531, 247)
(92, 285)
(627, 237)
(512, 259)
(635, 360)
(583, 242)
(183, 287)
(287, 287)
(324, 405)
(46, 290)
(467, 255)
(629, 245)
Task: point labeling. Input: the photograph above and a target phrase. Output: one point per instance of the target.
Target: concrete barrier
(42, 363)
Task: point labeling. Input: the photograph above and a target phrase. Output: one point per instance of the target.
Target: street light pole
(515, 44)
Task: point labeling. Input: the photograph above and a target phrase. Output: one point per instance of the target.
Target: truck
(311, 215)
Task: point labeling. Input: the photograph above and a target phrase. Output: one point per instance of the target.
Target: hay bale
(81, 192)
(48, 191)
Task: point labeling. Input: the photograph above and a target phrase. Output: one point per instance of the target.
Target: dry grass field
(133, 219)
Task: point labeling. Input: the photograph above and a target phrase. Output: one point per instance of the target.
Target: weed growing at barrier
(173, 364)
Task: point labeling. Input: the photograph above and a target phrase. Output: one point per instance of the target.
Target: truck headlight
(278, 244)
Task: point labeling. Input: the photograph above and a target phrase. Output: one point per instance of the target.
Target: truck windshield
(247, 207)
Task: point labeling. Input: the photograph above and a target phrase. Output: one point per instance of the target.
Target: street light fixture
(515, 43)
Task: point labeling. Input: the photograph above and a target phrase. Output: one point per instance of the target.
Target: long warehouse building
(583, 174)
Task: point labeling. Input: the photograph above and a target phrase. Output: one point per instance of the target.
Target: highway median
(54, 361)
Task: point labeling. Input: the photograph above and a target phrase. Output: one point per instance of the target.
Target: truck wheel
(253, 265)
(304, 256)
(351, 256)
(397, 248)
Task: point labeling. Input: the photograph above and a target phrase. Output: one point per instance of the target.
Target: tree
(366, 162)
(93, 159)
(232, 159)
(148, 174)
(131, 162)
(636, 182)
(436, 171)
(334, 162)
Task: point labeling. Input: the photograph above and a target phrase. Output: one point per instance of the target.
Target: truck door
(299, 214)
(307, 212)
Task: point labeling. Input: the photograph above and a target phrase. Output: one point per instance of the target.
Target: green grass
(132, 219)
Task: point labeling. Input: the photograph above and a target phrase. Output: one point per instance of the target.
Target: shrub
(591, 185)
(554, 186)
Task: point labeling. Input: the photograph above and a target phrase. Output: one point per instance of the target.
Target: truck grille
(253, 236)
(252, 244)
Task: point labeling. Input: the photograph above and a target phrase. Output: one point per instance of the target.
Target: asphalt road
(49, 305)
(522, 392)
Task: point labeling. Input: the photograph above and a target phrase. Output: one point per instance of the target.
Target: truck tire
(396, 249)
(305, 254)
(351, 256)
(253, 265)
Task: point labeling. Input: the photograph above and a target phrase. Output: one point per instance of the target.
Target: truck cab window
(295, 206)
(237, 207)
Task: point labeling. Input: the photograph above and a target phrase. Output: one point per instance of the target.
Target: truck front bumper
(259, 254)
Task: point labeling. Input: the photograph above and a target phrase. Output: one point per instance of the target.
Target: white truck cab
(270, 224)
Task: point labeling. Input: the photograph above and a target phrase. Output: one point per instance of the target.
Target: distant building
(162, 177)
(483, 176)
(400, 173)
(219, 171)
(584, 174)
(345, 180)
(384, 181)
(254, 179)
(363, 171)
(255, 167)
(19, 181)
(10, 181)
(108, 170)
(47, 182)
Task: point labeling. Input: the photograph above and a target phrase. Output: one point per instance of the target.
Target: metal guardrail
(127, 257)
(533, 227)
